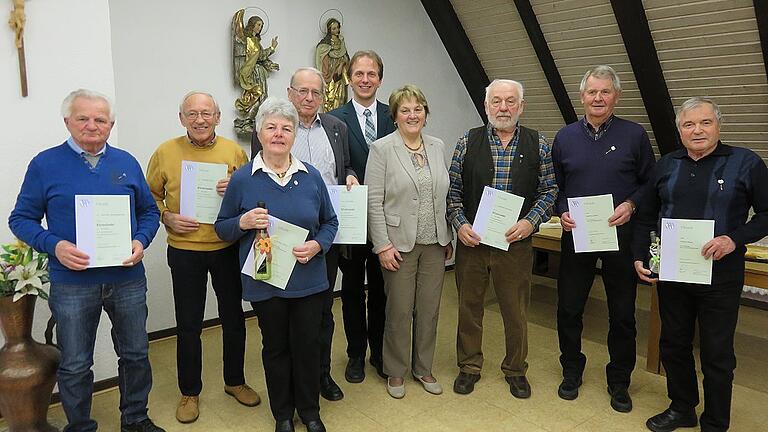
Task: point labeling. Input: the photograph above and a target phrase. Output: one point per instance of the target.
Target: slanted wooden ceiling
(705, 48)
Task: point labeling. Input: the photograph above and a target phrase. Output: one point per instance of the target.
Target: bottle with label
(654, 263)
(262, 252)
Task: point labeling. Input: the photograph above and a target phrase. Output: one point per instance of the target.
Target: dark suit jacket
(337, 135)
(358, 149)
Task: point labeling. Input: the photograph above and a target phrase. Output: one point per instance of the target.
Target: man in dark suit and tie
(321, 140)
(367, 120)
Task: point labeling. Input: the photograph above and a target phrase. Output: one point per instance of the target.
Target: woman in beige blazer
(407, 178)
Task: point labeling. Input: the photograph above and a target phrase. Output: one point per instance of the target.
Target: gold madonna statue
(251, 68)
(331, 59)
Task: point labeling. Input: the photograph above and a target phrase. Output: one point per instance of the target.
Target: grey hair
(66, 105)
(274, 106)
(601, 72)
(503, 81)
(196, 92)
(695, 102)
(314, 71)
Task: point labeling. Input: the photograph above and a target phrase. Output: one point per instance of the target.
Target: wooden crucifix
(17, 21)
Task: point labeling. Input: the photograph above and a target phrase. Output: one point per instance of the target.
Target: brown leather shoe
(188, 410)
(244, 394)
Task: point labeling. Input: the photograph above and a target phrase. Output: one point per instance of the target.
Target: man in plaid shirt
(506, 156)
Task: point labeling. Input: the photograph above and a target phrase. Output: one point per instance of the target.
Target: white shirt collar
(360, 109)
(296, 166)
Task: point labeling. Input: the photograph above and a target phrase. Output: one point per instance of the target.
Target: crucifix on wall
(17, 22)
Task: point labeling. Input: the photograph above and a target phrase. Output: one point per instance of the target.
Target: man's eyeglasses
(511, 103)
(304, 92)
(193, 115)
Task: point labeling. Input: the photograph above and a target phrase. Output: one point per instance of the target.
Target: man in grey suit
(367, 120)
(321, 140)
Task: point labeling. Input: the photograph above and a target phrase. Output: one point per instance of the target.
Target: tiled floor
(367, 407)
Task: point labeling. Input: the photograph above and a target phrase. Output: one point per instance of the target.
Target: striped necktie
(370, 129)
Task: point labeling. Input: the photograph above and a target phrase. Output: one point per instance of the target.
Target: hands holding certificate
(74, 259)
(621, 215)
(258, 218)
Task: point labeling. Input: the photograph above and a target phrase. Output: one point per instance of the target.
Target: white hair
(601, 72)
(66, 105)
(196, 92)
(274, 106)
(314, 71)
(695, 102)
(496, 82)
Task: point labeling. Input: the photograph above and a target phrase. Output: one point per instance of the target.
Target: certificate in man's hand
(496, 213)
(592, 233)
(351, 207)
(199, 199)
(681, 243)
(103, 228)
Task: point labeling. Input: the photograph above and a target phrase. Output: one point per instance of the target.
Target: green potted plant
(27, 368)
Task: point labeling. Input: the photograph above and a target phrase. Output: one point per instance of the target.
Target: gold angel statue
(332, 59)
(251, 67)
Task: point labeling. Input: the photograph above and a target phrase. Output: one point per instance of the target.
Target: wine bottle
(262, 252)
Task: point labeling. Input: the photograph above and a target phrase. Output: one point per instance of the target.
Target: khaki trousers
(511, 273)
(413, 297)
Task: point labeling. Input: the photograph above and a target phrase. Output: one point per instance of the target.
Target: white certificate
(497, 212)
(103, 228)
(284, 237)
(592, 233)
(199, 199)
(681, 243)
(351, 209)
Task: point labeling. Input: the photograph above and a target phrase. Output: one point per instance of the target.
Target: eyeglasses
(193, 115)
(511, 103)
(304, 92)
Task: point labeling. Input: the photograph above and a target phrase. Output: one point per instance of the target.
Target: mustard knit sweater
(164, 178)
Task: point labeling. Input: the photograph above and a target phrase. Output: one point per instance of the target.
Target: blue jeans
(77, 310)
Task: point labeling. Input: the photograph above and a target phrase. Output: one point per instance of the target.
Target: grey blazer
(393, 194)
(337, 135)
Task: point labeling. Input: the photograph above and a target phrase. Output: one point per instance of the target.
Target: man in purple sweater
(599, 154)
(86, 165)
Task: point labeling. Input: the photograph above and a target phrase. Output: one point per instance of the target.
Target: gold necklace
(281, 175)
(418, 147)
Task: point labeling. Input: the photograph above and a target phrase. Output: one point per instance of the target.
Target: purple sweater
(617, 163)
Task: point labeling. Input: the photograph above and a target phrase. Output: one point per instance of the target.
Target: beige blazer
(393, 194)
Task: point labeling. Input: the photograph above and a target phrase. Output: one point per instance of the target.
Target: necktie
(370, 129)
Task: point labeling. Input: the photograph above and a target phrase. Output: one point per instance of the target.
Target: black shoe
(670, 420)
(145, 425)
(620, 400)
(355, 371)
(329, 389)
(465, 382)
(379, 365)
(569, 388)
(315, 426)
(519, 386)
(284, 426)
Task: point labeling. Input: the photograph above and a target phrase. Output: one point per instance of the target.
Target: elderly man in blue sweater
(599, 154)
(86, 165)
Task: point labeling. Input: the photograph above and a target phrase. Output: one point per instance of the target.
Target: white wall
(155, 51)
(68, 46)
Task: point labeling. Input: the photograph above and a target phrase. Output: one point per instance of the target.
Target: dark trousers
(290, 330)
(577, 273)
(189, 273)
(327, 325)
(359, 333)
(716, 308)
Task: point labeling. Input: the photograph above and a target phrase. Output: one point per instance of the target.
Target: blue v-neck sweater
(53, 179)
(304, 202)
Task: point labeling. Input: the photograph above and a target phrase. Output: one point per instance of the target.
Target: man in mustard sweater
(194, 250)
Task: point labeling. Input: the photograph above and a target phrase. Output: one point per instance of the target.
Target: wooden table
(755, 274)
